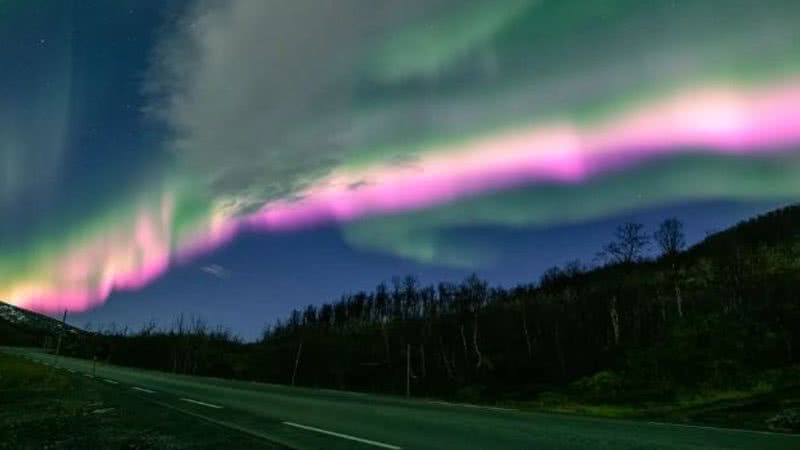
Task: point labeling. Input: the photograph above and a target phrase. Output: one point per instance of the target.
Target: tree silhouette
(629, 243)
(670, 237)
(582, 331)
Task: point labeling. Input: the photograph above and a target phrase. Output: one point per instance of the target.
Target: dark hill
(20, 327)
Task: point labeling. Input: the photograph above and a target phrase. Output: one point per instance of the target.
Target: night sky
(237, 159)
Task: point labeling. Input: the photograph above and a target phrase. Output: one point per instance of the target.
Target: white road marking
(221, 423)
(734, 430)
(469, 405)
(334, 391)
(209, 405)
(109, 381)
(343, 436)
(146, 391)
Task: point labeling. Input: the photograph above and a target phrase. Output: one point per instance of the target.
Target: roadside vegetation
(44, 408)
(649, 329)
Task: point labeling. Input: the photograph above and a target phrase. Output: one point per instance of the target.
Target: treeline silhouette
(631, 328)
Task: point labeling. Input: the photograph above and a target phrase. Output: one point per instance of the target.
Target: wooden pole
(61, 334)
(60, 337)
(408, 371)
(58, 350)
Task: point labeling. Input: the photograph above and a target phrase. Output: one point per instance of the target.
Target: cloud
(258, 94)
(264, 98)
(216, 270)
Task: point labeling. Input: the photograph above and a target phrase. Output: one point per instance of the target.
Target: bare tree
(521, 300)
(551, 276)
(629, 242)
(573, 268)
(670, 237)
(671, 241)
(476, 293)
(614, 314)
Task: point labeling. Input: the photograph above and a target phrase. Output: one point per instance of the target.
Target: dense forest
(648, 319)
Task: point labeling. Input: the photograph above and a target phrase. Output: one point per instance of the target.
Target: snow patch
(12, 314)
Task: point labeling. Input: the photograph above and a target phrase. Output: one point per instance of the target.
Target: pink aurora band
(711, 119)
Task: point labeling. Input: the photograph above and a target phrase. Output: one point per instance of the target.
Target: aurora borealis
(394, 123)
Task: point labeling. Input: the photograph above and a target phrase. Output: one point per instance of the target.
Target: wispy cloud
(216, 270)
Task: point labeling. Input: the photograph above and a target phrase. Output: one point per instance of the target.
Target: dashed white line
(208, 405)
(343, 436)
(469, 405)
(109, 381)
(146, 391)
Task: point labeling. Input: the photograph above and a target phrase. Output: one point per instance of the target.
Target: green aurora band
(424, 96)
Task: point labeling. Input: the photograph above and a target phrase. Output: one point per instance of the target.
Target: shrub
(604, 385)
(788, 420)
(471, 394)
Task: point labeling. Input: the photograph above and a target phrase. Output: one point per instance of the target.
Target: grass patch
(42, 407)
(769, 404)
(17, 376)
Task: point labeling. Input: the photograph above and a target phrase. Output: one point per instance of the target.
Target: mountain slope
(21, 327)
(779, 227)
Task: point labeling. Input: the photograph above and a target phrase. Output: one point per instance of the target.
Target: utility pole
(58, 349)
(408, 371)
(61, 334)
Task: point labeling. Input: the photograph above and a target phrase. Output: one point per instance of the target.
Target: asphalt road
(321, 419)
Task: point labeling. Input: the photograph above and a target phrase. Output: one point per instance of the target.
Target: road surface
(320, 419)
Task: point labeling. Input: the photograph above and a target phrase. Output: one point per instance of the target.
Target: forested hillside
(718, 315)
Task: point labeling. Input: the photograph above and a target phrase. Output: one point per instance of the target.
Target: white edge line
(109, 381)
(209, 405)
(734, 430)
(334, 391)
(343, 436)
(468, 405)
(146, 391)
